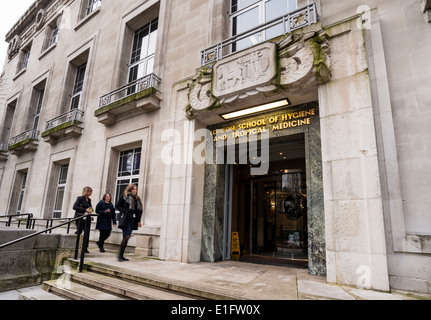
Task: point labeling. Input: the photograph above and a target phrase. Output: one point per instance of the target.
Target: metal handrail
(49, 223)
(291, 21)
(28, 215)
(86, 239)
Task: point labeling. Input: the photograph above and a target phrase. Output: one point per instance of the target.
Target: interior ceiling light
(262, 108)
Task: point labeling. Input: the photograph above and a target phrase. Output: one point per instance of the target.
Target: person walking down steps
(130, 207)
(105, 220)
(83, 206)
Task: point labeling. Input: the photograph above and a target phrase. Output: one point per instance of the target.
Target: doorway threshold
(275, 261)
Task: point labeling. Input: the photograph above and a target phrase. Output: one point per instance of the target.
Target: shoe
(101, 249)
(121, 258)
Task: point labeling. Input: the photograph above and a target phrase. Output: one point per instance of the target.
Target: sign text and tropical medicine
(263, 125)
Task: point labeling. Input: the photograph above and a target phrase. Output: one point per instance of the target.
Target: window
(75, 101)
(248, 14)
(129, 166)
(21, 192)
(6, 128)
(38, 108)
(25, 56)
(143, 51)
(92, 6)
(52, 33)
(60, 191)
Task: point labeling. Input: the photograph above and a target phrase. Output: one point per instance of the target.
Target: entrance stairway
(102, 283)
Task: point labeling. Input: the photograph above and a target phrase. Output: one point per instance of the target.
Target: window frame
(78, 86)
(60, 186)
(24, 59)
(133, 177)
(92, 5)
(21, 192)
(53, 38)
(39, 104)
(52, 35)
(261, 5)
(134, 62)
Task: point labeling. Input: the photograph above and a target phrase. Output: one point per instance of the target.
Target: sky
(10, 12)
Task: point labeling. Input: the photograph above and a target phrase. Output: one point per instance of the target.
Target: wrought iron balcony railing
(32, 134)
(150, 81)
(73, 115)
(289, 22)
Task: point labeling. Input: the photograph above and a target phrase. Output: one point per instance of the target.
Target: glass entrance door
(269, 212)
(279, 216)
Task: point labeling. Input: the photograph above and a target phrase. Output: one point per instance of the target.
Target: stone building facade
(293, 131)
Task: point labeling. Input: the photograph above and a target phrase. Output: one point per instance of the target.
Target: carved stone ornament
(245, 71)
(297, 62)
(40, 19)
(14, 46)
(200, 91)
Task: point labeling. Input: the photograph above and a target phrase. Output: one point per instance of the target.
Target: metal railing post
(85, 241)
(78, 236)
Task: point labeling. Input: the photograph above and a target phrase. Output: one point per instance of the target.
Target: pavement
(244, 281)
(237, 280)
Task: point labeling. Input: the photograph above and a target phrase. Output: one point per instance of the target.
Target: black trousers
(103, 236)
(80, 224)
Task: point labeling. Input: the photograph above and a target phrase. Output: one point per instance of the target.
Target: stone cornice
(34, 19)
(25, 26)
(26, 19)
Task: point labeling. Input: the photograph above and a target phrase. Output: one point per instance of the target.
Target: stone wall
(34, 260)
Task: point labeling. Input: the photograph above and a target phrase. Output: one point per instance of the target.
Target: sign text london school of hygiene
(275, 123)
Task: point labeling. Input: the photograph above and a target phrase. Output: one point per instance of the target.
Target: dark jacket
(81, 205)
(105, 218)
(123, 205)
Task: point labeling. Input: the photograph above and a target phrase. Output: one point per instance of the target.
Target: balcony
(25, 142)
(288, 23)
(140, 96)
(66, 126)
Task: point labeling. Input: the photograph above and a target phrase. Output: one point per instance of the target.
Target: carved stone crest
(296, 62)
(244, 72)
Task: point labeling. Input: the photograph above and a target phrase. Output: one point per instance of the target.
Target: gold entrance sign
(236, 251)
(258, 126)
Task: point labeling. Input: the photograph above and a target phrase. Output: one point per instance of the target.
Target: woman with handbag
(130, 207)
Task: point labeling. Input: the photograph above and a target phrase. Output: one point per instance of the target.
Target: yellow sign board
(236, 251)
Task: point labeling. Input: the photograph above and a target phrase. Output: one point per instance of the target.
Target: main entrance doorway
(269, 212)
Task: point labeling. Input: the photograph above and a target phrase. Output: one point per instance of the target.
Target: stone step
(176, 287)
(123, 288)
(76, 291)
(37, 293)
